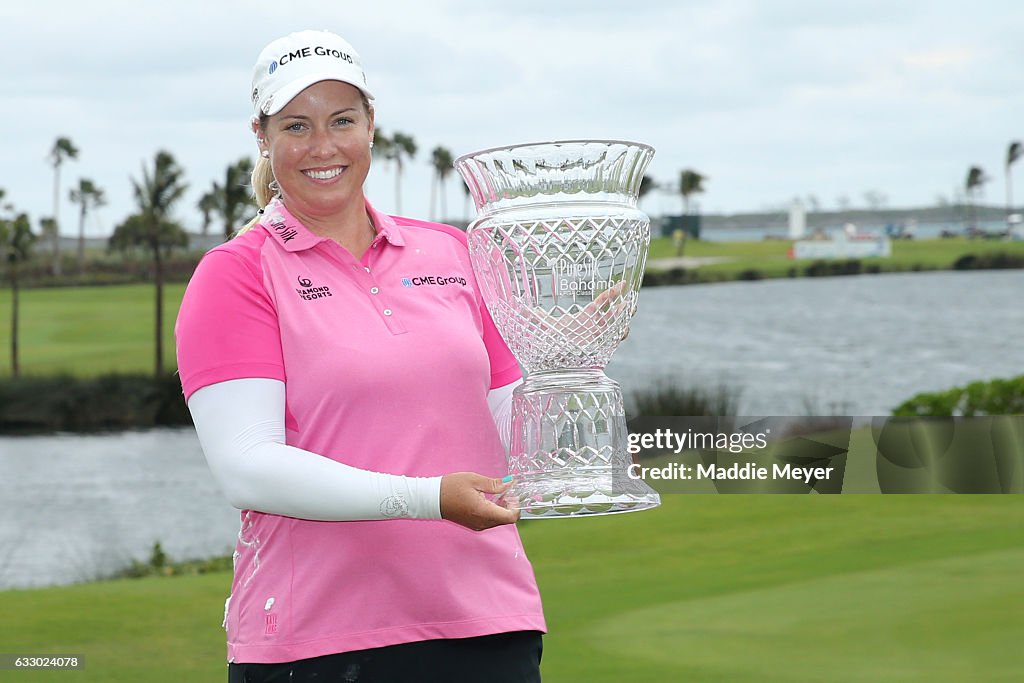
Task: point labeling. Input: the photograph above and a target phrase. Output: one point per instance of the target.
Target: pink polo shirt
(387, 363)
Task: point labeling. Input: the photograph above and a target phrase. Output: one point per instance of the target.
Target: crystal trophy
(558, 249)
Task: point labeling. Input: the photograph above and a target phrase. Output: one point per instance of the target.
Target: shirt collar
(292, 235)
(386, 226)
(286, 228)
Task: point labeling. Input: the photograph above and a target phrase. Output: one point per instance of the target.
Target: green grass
(88, 331)
(153, 629)
(770, 256)
(785, 588)
(705, 588)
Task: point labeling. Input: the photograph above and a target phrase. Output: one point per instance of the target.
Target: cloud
(941, 58)
(770, 99)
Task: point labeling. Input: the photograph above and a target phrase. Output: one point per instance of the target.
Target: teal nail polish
(506, 479)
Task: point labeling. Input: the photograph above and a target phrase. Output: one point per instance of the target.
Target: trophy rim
(541, 143)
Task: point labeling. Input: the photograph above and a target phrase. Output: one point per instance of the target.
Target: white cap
(291, 64)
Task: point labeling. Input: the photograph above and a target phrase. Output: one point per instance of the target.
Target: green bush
(996, 260)
(823, 268)
(159, 564)
(108, 402)
(652, 279)
(671, 398)
(682, 276)
(106, 269)
(995, 397)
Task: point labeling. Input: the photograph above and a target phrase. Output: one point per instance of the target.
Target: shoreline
(710, 262)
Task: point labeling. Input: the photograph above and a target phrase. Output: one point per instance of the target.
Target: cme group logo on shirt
(307, 291)
(433, 280)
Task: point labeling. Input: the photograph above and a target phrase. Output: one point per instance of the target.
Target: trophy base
(553, 495)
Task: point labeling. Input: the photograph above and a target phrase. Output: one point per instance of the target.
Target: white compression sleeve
(240, 424)
(499, 400)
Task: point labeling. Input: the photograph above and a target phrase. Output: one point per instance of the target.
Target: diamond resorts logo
(307, 291)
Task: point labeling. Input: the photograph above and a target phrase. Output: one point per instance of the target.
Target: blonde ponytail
(262, 176)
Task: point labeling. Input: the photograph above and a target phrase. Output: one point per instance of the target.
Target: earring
(275, 188)
(265, 154)
(371, 144)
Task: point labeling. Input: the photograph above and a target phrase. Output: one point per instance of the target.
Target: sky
(770, 99)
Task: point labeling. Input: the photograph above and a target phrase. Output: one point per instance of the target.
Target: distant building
(797, 220)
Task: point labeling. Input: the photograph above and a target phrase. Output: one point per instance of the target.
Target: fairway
(889, 624)
(88, 331)
(786, 588)
(709, 588)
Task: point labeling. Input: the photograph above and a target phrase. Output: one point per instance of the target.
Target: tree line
(157, 193)
(159, 189)
(161, 186)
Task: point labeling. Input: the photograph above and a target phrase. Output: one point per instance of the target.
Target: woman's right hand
(464, 501)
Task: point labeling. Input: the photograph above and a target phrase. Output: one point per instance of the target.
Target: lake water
(78, 507)
(854, 345)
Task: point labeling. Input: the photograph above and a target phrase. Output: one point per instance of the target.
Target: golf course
(770, 258)
(839, 589)
(400, 342)
(91, 330)
(710, 588)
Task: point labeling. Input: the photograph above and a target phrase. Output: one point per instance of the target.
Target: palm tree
(46, 226)
(156, 194)
(401, 145)
(63, 149)
(381, 145)
(87, 195)
(134, 232)
(16, 240)
(690, 182)
(976, 178)
(1013, 152)
(208, 206)
(233, 196)
(441, 159)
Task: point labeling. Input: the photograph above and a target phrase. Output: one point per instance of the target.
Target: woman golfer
(351, 395)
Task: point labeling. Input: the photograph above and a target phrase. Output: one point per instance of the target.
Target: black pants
(500, 658)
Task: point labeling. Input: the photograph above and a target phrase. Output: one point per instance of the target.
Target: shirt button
(374, 245)
(387, 311)
(366, 268)
(374, 290)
